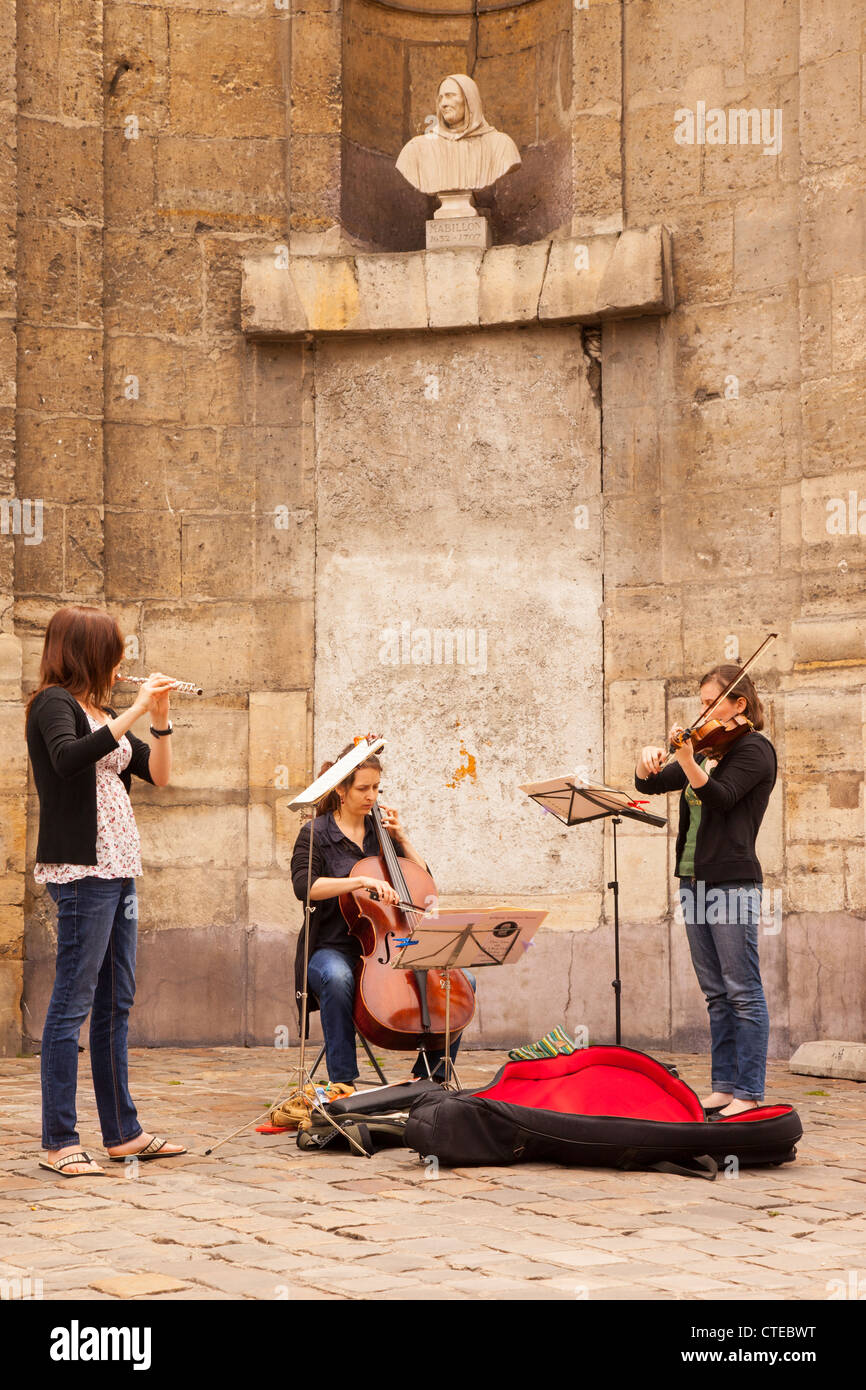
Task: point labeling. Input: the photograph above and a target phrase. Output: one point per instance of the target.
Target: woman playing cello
(344, 834)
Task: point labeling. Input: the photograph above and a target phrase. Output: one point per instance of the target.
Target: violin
(399, 1009)
(716, 736)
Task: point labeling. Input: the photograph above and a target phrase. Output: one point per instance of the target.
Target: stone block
(223, 267)
(511, 283)
(83, 568)
(631, 450)
(736, 533)
(10, 668)
(273, 905)
(766, 244)
(833, 213)
(829, 127)
(39, 568)
(630, 361)
(60, 370)
(315, 182)
(185, 898)
(756, 341)
(152, 284)
(231, 184)
(632, 533)
(190, 835)
(213, 639)
(48, 291)
(10, 1007)
(814, 880)
(453, 284)
(278, 756)
(772, 38)
(226, 73)
(636, 717)
(826, 958)
(135, 42)
(142, 554)
(209, 745)
(374, 109)
(281, 644)
(60, 174)
(217, 556)
(610, 275)
(79, 64)
(843, 1060)
(189, 987)
(642, 634)
(849, 324)
(816, 746)
(130, 174)
(819, 643)
(703, 251)
(834, 422)
(60, 459)
(11, 931)
(830, 806)
(260, 836)
(392, 291)
(38, 35)
(284, 554)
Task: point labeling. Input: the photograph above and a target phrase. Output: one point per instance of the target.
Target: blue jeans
(97, 920)
(722, 926)
(332, 979)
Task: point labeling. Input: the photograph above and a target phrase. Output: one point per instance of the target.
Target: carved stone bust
(461, 152)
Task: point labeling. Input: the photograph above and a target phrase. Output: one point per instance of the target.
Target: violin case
(601, 1107)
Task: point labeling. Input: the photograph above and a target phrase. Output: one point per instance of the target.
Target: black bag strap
(703, 1166)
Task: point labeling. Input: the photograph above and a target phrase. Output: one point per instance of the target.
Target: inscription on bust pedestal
(458, 231)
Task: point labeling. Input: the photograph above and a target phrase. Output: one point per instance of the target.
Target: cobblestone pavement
(261, 1220)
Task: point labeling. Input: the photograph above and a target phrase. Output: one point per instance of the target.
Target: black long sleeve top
(64, 753)
(733, 803)
(334, 856)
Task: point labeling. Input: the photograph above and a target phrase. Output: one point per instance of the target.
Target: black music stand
(574, 801)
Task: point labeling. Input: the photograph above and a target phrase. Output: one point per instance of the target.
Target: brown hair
(331, 800)
(83, 645)
(723, 675)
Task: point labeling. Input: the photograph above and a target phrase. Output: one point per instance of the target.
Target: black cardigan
(64, 752)
(733, 803)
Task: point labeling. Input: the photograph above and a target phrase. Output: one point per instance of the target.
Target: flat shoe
(81, 1156)
(150, 1151)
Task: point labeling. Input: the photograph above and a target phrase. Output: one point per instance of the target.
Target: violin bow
(723, 695)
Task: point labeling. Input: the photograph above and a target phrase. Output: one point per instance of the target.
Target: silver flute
(180, 687)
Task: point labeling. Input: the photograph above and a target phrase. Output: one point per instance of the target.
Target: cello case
(603, 1107)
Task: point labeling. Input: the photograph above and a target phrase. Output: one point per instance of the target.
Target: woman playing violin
(721, 808)
(344, 834)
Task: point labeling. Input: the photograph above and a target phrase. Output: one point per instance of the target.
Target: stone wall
(190, 476)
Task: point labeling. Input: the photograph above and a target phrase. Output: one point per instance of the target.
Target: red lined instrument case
(598, 1107)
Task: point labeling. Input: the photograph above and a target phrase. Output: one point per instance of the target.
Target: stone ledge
(573, 280)
(845, 1061)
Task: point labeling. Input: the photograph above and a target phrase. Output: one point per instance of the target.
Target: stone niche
(456, 435)
(392, 62)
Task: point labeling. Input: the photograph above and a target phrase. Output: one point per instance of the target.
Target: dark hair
(723, 675)
(82, 647)
(331, 801)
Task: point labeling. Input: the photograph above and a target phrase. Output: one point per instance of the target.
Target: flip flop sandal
(81, 1156)
(150, 1151)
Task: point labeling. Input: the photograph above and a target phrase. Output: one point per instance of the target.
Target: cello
(399, 1009)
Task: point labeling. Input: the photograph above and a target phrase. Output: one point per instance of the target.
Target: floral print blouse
(118, 847)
